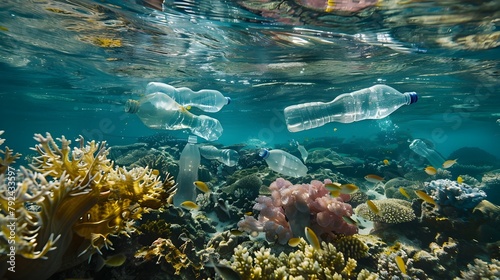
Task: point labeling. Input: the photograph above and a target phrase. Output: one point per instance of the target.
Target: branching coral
(69, 203)
(305, 263)
(293, 207)
(482, 270)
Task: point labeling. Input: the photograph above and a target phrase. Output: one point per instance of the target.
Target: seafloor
(132, 214)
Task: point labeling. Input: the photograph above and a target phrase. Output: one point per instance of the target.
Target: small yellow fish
(202, 186)
(250, 213)
(349, 220)
(430, 170)
(460, 180)
(188, 107)
(348, 188)
(294, 241)
(333, 186)
(312, 238)
(425, 197)
(403, 192)
(3, 28)
(189, 205)
(372, 178)
(112, 261)
(401, 264)
(335, 193)
(155, 172)
(386, 162)
(373, 207)
(449, 163)
(236, 232)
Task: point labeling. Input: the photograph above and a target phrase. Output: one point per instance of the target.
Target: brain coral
(392, 211)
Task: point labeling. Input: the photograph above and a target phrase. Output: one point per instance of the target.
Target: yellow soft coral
(68, 205)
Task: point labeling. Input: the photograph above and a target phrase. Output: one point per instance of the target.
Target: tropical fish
(250, 213)
(312, 238)
(333, 186)
(189, 205)
(155, 172)
(112, 261)
(348, 188)
(430, 170)
(449, 163)
(401, 264)
(335, 193)
(386, 162)
(236, 232)
(460, 180)
(342, 188)
(373, 207)
(294, 241)
(425, 197)
(202, 186)
(349, 220)
(403, 192)
(372, 178)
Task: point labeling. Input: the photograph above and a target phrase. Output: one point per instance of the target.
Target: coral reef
(69, 203)
(482, 270)
(291, 208)
(447, 192)
(305, 263)
(351, 246)
(392, 211)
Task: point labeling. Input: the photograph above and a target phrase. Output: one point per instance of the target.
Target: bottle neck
(411, 97)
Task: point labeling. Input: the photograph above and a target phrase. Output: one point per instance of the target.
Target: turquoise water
(60, 75)
(68, 68)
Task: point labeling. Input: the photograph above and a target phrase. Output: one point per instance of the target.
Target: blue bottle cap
(264, 153)
(413, 97)
(228, 99)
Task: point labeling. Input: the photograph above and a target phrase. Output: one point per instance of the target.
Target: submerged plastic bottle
(375, 102)
(227, 156)
(207, 100)
(434, 158)
(188, 172)
(160, 111)
(284, 163)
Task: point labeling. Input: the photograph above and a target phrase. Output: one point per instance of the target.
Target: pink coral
(290, 208)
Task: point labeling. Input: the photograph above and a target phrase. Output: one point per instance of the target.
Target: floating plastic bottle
(160, 111)
(302, 150)
(207, 100)
(226, 156)
(283, 162)
(188, 172)
(375, 102)
(434, 158)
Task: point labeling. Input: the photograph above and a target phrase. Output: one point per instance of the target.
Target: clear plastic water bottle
(434, 158)
(375, 102)
(188, 172)
(284, 163)
(160, 111)
(227, 156)
(207, 100)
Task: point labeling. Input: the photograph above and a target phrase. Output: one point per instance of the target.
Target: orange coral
(69, 203)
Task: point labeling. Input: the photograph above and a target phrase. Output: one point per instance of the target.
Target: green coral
(391, 211)
(305, 263)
